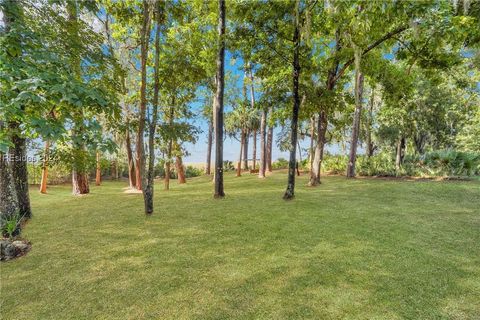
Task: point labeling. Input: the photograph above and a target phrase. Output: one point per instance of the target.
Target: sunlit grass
(349, 249)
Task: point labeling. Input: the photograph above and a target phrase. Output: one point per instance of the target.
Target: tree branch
(387, 36)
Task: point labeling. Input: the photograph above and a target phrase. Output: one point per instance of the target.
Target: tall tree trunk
(19, 169)
(263, 147)
(290, 192)
(369, 124)
(209, 149)
(356, 124)
(319, 148)
(311, 153)
(79, 171)
(269, 147)
(180, 170)
(17, 174)
(8, 194)
(168, 162)
(242, 145)
(98, 173)
(148, 190)
(131, 163)
(358, 111)
(140, 176)
(322, 123)
(245, 149)
(218, 190)
(254, 150)
(44, 179)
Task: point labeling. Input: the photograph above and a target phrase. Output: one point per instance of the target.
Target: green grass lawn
(357, 249)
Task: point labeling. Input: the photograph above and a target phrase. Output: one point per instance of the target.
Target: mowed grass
(348, 249)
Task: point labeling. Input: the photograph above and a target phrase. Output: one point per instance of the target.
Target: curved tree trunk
(290, 192)
(218, 189)
(44, 179)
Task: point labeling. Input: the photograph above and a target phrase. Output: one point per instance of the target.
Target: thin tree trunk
(98, 173)
(269, 148)
(79, 170)
(209, 149)
(245, 149)
(242, 144)
(254, 151)
(358, 111)
(218, 190)
(319, 148)
(312, 143)
(369, 124)
(131, 163)
(290, 191)
(400, 154)
(44, 179)
(140, 176)
(148, 191)
(356, 124)
(263, 147)
(169, 148)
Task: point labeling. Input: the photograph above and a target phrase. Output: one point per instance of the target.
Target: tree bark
(19, 169)
(400, 153)
(269, 147)
(131, 163)
(8, 195)
(369, 142)
(148, 191)
(180, 170)
(140, 176)
(242, 145)
(218, 189)
(245, 149)
(98, 173)
(263, 132)
(290, 191)
(44, 179)
(79, 171)
(319, 149)
(209, 148)
(356, 124)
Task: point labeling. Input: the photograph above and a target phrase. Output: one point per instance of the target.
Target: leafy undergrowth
(348, 249)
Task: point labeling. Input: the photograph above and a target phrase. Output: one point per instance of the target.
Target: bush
(281, 163)
(191, 172)
(334, 164)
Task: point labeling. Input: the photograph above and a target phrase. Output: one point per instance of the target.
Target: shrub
(191, 172)
(281, 163)
(334, 164)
